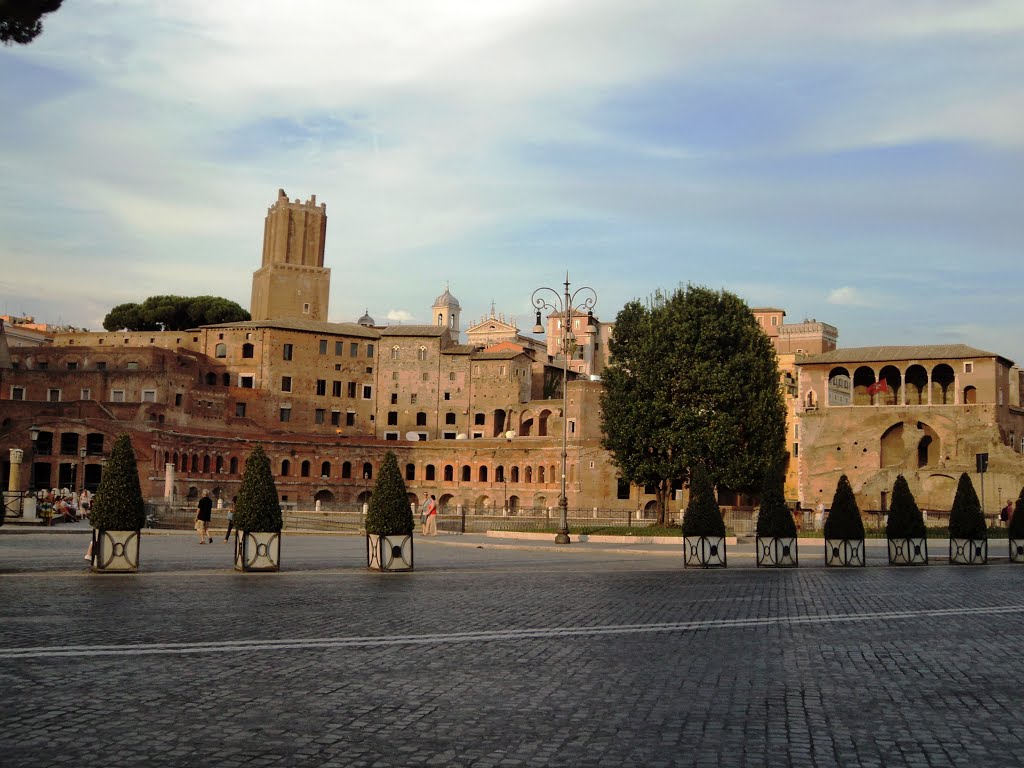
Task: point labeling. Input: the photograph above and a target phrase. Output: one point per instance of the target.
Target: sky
(861, 163)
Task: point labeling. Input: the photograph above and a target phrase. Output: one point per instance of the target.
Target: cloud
(400, 316)
(847, 296)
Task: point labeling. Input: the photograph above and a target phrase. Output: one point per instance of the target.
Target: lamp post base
(562, 537)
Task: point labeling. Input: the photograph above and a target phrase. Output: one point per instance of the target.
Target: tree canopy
(257, 507)
(21, 21)
(118, 505)
(844, 520)
(173, 313)
(389, 512)
(693, 380)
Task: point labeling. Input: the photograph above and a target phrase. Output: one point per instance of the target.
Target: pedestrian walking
(430, 527)
(819, 517)
(423, 513)
(204, 512)
(231, 520)
(1006, 513)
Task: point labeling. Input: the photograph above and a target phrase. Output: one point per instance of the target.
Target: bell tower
(292, 281)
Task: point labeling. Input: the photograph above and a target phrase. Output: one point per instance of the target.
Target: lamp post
(565, 304)
(33, 433)
(81, 456)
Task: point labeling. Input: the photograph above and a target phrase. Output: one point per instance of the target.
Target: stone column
(14, 482)
(169, 480)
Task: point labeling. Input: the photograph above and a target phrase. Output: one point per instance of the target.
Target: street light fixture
(566, 305)
(81, 455)
(33, 433)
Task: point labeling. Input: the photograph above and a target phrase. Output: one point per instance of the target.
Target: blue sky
(858, 163)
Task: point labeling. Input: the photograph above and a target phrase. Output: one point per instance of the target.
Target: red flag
(879, 386)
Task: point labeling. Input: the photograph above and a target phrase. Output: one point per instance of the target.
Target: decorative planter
(968, 551)
(777, 552)
(845, 552)
(908, 551)
(389, 553)
(704, 551)
(115, 551)
(1017, 550)
(257, 550)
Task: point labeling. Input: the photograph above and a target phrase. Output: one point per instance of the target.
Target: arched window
(367, 471)
(346, 470)
(395, 352)
(219, 466)
(221, 351)
(304, 469)
(482, 474)
(247, 350)
(429, 472)
(466, 473)
(184, 462)
(325, 469)
(540, 475)
(410, 471)
(211, 378)
(286, 467)
(233, 465)
(195, 462)
(421, 353)
(529, 475)
(499, 474)
(970, 396)
(515, 475)
(440, 319)
(449, 473)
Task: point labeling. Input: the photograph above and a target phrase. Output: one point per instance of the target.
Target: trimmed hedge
(1016, 527)
(905, 518)
(118, 503)
(774, 520)
(702, 517)
(389, 512)
(844, 521)
(966, 520)
(257, 507)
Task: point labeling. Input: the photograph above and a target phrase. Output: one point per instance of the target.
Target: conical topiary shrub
(389, 521)
(703, 517)
(257, 507)
(258, 519)
(118, 503)
(389, 512)
(1015, 530)
(844, 529)
(968, 534)
(844, 521)
(776, 529)
(905, 529)
(703, 527)
(118, 513)
(966, 520)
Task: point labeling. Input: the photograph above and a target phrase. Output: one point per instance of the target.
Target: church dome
(366, 320)
(447, 300)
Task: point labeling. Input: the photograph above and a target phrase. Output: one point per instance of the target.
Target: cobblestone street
(486, 656)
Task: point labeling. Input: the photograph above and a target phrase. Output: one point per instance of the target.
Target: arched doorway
(942, 385)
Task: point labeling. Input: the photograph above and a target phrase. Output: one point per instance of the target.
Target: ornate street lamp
(566, 305)
(33, 433)
(81, 455)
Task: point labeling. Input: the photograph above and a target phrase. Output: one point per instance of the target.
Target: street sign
(981, 459)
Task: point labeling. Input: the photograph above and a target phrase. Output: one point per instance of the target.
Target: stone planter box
(389, 553)
(968, 551)
(257, 550)
(704, 552)
(908, 551)
(845, 553)
(777, 552)
(115, 551)
(1017, 550)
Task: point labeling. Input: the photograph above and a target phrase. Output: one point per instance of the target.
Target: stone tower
(292, 282)
(446, 311)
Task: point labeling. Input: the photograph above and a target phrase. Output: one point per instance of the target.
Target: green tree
(21, 21)
(389, 512)
(774, 520)
(966, 520)
(702, 516)
(693, 380)
(118, 503)
(1015, 530)
(844, 520)
(257, 506)
(173, 313)
(905, 518)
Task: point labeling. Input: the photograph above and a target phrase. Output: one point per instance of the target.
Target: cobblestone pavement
(485, 656)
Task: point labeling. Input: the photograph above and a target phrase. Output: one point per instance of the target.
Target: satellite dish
(510, 434)
(412, 436)
(460, 436)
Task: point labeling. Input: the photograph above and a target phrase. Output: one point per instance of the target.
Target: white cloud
(400, 316)
(847, 296)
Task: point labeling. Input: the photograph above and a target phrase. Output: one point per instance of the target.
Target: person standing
(204, 513)
(430, 528)
(1006, 513)
(231, 520)
(424, 507)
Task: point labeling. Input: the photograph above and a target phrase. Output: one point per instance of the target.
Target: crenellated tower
(292, 281)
